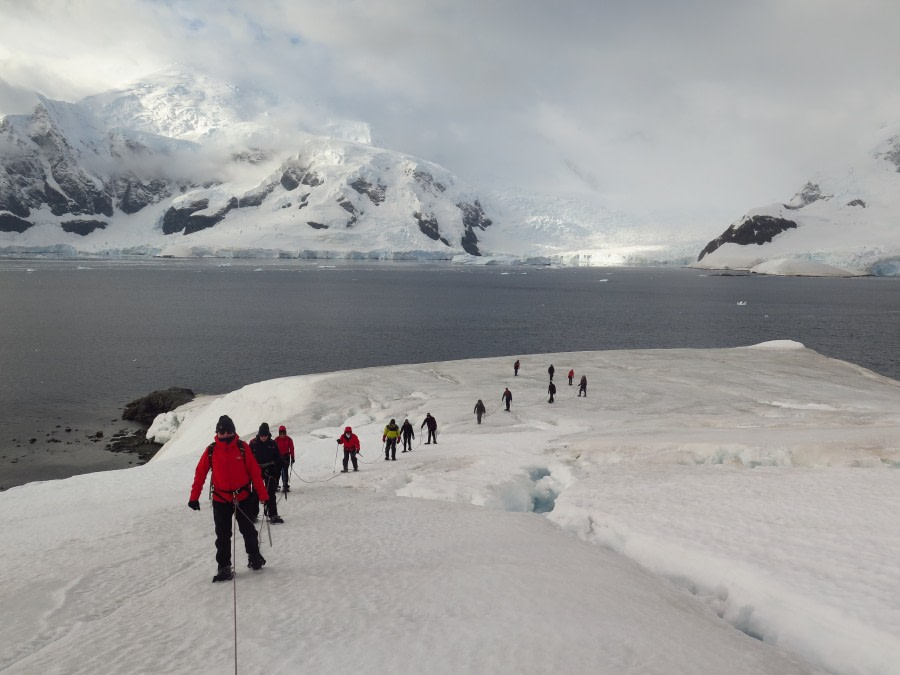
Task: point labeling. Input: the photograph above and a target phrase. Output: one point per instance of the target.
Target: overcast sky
(719, 105)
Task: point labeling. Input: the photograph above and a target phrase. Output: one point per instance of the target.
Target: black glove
(194, 504)
(292, 461)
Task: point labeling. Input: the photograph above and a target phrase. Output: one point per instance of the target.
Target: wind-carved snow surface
(700, 511)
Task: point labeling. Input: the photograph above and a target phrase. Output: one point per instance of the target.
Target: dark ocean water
(80, 339)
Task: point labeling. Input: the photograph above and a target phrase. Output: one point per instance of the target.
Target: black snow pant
(390, 448)
(285, 469)
(478, 416)
(350, 456)
(570, 381)
(508, 401)
(407, 443)
(223, 512)
(432, 435)
(582, 390)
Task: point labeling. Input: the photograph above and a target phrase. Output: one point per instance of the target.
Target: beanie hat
(282, 428)
(264, 429)
(225, 425)
(347, 430)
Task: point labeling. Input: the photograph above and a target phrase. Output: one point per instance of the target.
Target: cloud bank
(698, 107)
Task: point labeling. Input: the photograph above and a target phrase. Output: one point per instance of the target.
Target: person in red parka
(286, 448)
(571, 376)
(351, 447)
(234, 470)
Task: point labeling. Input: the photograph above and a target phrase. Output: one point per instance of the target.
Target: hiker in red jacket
(571, 376)
(351, 447)
(286, 448)
(234, 470)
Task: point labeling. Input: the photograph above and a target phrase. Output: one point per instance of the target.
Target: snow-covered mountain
(183, 165)
(842, 222)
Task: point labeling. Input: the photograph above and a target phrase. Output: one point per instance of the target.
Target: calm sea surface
(80, 339)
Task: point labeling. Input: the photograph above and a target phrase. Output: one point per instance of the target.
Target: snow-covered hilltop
(182, 165)
(840, 223)
(188, 167)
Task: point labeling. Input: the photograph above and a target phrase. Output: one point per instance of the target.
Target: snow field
(762, 481)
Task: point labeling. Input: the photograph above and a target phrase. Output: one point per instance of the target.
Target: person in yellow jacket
(389, 438)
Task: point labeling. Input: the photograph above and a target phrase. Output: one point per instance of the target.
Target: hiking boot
(286, 488)
(355, 469)
(276, 519)
(224, 574)
(345, 470)
(256, 563)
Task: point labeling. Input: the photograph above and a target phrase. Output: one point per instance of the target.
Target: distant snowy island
(700, 511)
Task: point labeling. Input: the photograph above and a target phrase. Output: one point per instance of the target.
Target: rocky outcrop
(83, 227)
(12, 223)
(750, 230)
(185, 217)
(427, 181)
(808, 194)
(473, 218)
(133, 194)
(374, 192)
(145, 409)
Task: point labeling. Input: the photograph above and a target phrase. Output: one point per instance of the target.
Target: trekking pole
(234, 531)
(336, 449)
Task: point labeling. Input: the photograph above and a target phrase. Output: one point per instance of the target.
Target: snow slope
(842, 222)
(753, 484)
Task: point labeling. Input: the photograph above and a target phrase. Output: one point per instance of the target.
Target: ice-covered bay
(754, 484)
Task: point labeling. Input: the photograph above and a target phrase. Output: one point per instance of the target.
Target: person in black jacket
(407, 434)
(506, 398)
(431, 423)
(479, 410)
(550, 371)
(552, 391)
(268, 456)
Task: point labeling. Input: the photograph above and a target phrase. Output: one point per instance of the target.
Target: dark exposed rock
(11, 223)
(892, 154)
(473, 217)
(11, 202)
(83, 227)
(59, 205)
(426, 180)
(374, 192)
(184, 219)
(290, 179)
(808, 194)
(750, 230)
(295, 176)
(132, 194)
(145, 409)
(856, 202)
(316, 226)
(257, 196)
(345, 204)
(135, 443)
(428, 224)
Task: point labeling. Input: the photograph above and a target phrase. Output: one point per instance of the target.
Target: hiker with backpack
(479, 411)
(506, 398)
(389, 438)
(552, 391)
(571, 376)
(550, 371)
(286, 448)
(350, 441)
(431, 423)
(234, 471)
(268, 456)
(516, 368)
(407, 434)
(582, 386)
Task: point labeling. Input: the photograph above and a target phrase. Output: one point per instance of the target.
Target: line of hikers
(506, 396)
(247, 474)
